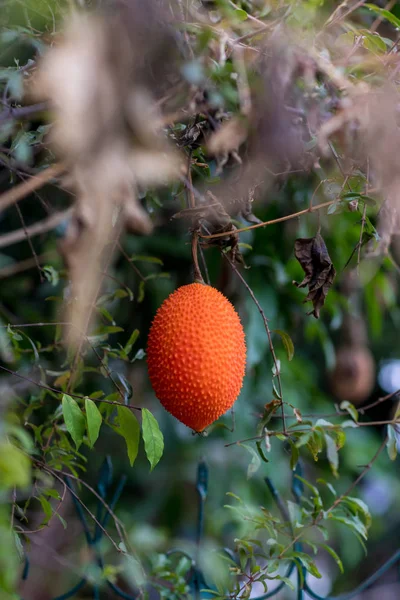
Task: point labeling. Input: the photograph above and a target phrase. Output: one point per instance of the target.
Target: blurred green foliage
(70, 422)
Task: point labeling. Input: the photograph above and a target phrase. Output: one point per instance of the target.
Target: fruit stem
(197, 276)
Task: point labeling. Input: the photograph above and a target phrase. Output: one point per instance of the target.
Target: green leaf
(47, 509)
(131, 341)
(328, 485)
(141, 292)
(255, 461)
(52, 493)
(51, 274)
(260, 449)
(152, 437)
(241, 14)
(358, 507)
(315, 444)
(391, 444)
(15, 467)
(357, 196)
(335, 557)
(333, 207)
(348, 424)
(130, 431)
(350, 408)
(74, 419)
(385, 14)
(373, 42)
(19, 547)
(303, 439)
(287, 342)
(148, 259)
(94, 420)
(310, 486)
(332, 453)
(62, 521)
(294, 458)
(308, 563)
(354, 523)
(294, 513)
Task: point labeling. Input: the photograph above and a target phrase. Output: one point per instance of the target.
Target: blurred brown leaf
(99, 83)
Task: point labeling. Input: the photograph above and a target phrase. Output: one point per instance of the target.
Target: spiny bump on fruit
(196, 355)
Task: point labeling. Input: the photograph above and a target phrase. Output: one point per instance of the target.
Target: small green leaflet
(148, 259)
(130, 431)
(255, 462)
(152, 437)
(335, 557)
(391, 444)
(332, 453)
(351, 409)
(386, 14)
(357, 196)
(131, 341)
(241, 14)
(141, 292)
(47, 509)
(287, 342)
(94, 419)
(74, 419)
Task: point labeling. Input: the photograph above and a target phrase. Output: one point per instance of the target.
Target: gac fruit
(196, 355)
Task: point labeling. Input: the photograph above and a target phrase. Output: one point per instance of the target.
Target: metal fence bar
(196, 578)
(395, 558)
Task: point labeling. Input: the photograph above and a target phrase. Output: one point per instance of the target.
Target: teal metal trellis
(195, 578)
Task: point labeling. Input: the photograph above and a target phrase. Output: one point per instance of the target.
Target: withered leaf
(318, 268)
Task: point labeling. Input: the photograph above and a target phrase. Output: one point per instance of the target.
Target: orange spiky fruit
(196, 355)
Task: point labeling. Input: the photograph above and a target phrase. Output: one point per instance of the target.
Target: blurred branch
(23, 189)
(48, 224)
(24, 265)
(22, 112)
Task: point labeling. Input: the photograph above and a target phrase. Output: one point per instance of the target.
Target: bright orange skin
(196, 355)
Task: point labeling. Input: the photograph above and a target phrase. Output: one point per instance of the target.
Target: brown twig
(133, 266)
(361, 476)
(249, 16)
(92, 516)
(197, 276)
(22, 112)
(273, 221)
(248, 36)
(28, 238)
(118, 522)
(56, 391)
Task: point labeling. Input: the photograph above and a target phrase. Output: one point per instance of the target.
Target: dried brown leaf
(319, 271)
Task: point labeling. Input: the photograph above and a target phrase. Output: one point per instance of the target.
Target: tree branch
(36, 181)
(36, 229)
